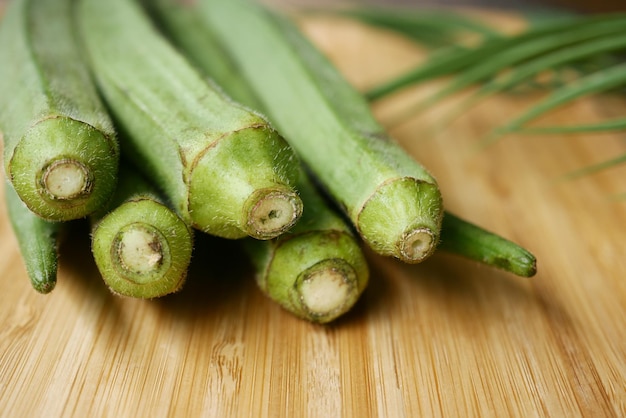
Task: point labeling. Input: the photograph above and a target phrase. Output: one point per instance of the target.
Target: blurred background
(588, 6)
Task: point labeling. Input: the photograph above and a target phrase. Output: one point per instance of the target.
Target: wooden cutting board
(446, 338)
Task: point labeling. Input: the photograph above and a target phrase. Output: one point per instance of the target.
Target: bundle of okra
(156, 119)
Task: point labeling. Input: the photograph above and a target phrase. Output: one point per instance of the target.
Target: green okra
(60, 150)
(141, 247)
(37, 240)
(470, 241)
(392, 200)
(224, 168)
(317, 270)
(191, 34)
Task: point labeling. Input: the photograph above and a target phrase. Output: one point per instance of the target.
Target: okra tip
(327, 289)
(272, 211)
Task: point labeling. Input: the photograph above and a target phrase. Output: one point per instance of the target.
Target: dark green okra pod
(225, 169)
(60, 152)
(471, 241)
(37, 240)
(141, 246)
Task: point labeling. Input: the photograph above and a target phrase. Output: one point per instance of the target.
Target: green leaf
(600, 81)
(433, 28)
(595, 168)
(555, 35)
(527, 72)
(518, 53)
(605, 126)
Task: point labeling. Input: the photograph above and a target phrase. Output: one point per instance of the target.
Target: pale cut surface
(139, 249)
(324, 291)
(66, 179)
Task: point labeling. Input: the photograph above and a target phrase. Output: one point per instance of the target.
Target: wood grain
(446, 338)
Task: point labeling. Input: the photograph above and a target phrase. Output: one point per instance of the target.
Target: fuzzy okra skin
(226, 170)
(141, 246)
(392, 200)
(183, 24)
(37, 240)
(60, 150)
(317, 270)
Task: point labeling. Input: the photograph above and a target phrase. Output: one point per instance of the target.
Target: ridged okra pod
(141, 246)
(226, 170)
(183, 24)
(393, 201)
(37, 240)
(60, 151)
(317, 270)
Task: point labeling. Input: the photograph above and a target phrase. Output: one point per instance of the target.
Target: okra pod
(37, 240)
(60, 150)
(317, 270)
(392, 200)
(192, 35)
(224, 167)
(471, 241)
(141, 246)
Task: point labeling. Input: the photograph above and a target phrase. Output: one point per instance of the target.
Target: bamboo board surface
(444, 338)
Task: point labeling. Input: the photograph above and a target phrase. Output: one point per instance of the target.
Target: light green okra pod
(60, 151)
(226, 170)
(141, 246)
(392, 200)
(184, 25)
(37, 240)
(317, 270)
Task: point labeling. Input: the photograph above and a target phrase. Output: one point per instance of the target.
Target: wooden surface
(445, 338)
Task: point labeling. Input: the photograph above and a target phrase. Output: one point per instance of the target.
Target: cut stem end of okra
(64, 169)
(403, 201)
(416, 245)
(326, 288)
(272, 212)
(139, 251)
(66, 179)
(142, 249)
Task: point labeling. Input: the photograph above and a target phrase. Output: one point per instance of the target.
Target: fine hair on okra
(184, 25)
(60, 151)
(393, 201)
(141, 247)
(225, 168)
(37, 240)
(317, 270)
